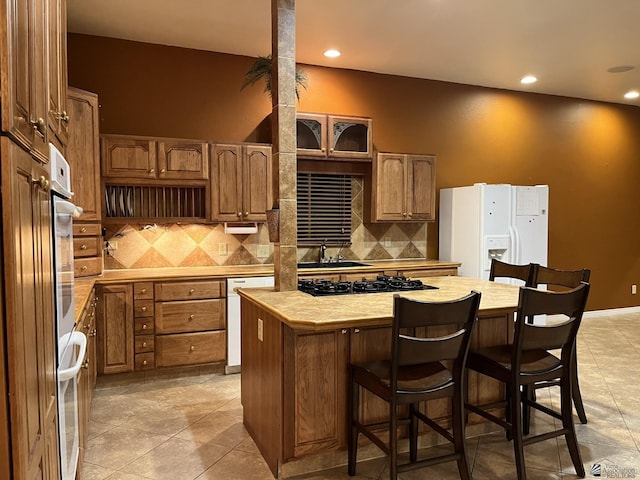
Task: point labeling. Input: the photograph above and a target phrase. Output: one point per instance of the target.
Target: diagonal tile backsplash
(190, 245)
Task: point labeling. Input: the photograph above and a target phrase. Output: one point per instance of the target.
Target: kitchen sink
(332, 264)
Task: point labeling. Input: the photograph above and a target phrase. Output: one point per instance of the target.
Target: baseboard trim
(611, 311)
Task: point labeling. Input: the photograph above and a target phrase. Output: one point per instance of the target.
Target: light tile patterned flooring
(191, 428)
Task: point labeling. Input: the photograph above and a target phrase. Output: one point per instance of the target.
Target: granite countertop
(83, 286)
(302, 311)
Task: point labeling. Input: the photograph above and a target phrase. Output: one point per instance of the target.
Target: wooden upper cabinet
(83, 153)
(23, 70)
(181, 159)
(240, 182)
(128, 157)
(311, 134)
(256, 179)
(58, 118)
(403, 188)
(333, 136)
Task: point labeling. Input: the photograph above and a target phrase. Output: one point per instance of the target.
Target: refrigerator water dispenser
(496, 246)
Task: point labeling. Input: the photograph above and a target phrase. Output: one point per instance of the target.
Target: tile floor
(191, 428)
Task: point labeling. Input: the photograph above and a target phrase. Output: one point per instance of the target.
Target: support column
(283, 84)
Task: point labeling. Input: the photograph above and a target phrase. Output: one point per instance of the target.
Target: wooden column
(283, 34)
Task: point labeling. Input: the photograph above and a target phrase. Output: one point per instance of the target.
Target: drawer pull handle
(193, 348)
(144, 344)
(143, 291)
(85, 364)
(144, 326)
(83, 229)
(144, 309)
(192, 290)
(144, 362)
(356, 330)
(83, 268)
(192, 316)
(344, 331)
(83, 247)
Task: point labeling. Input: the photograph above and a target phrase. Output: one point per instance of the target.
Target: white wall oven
(71, 343)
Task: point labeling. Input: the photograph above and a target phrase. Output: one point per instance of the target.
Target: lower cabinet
(319, 376)
(148, 325)
(87, 377)
(115, 329)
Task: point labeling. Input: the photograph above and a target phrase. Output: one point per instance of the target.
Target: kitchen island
(295, 354)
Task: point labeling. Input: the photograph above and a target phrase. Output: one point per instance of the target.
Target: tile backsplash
(181, 245)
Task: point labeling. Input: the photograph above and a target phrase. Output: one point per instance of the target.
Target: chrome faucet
(323, 251)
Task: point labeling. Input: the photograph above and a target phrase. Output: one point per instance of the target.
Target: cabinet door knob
(83, 229)
(356, 330)
(246, 214)
(62, 116)
(162, 170)
(192, 290)
(83, 247)
(42, 182)
(192, 316)
(144, 309)
(192, 348)
(144, 344)
(143, 291)
(152, 170)
(240, 214)
(144, 326)
(343, 331)
(85, 364)
(144, 362)
(39, 126)
(83, 268)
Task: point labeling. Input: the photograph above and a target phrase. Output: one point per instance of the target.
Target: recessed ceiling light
(631, 94)
(332, 53)
(528, 79)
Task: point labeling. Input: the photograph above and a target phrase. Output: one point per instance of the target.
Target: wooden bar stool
(416, 372)
(528, 361)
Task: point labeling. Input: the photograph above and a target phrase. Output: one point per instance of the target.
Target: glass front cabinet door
(333, 136)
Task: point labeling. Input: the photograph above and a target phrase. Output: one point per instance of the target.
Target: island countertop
(300, 310)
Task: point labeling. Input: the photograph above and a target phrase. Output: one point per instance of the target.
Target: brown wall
(588, 152)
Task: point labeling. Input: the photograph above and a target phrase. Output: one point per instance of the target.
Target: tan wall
(588, 152)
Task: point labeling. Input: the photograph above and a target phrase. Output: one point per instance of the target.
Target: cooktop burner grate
(382, 283)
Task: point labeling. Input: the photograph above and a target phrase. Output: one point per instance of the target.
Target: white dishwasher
(233, 316)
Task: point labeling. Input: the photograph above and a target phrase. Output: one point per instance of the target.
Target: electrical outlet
(263, 251)
(260, 330)
(387, 241)
(634, 289)
(223, 249)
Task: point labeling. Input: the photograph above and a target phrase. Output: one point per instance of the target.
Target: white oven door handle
(79, 339)
(68, 208)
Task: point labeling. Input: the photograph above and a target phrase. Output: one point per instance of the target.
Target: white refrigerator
(481, 222)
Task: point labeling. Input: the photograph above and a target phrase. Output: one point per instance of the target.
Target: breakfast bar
(296, 349)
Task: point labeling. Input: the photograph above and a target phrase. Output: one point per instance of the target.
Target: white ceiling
(568, 44)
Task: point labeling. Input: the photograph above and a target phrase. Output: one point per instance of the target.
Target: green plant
(263, 67)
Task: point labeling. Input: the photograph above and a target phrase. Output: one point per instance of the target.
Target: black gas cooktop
(382, 283)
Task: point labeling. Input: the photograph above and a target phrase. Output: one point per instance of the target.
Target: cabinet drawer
(190, 316)
(84, 267)
(143, 325)
(143, 308)
(87, 230)
(144, 343)
(143, 291)
(190, 348)
(86, 247)
(189, 290)
(145, 361)
(439, 272)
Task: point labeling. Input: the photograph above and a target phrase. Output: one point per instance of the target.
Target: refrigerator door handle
(515, 244)
(79, 339)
